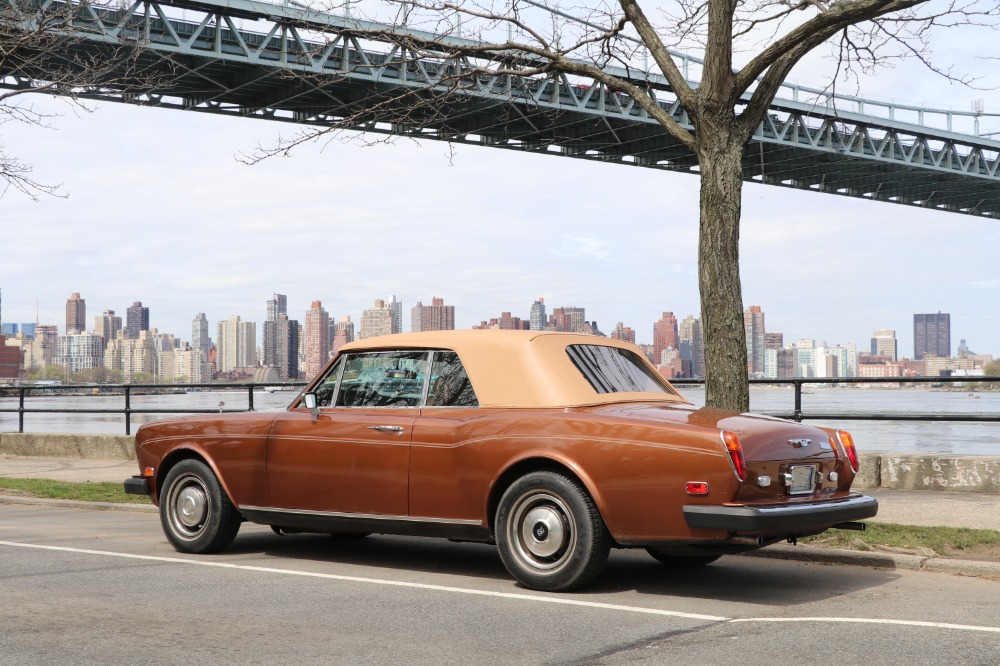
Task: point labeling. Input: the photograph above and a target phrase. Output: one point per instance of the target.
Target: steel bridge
(259, 60)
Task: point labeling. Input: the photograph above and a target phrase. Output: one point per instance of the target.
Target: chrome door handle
(396, 429)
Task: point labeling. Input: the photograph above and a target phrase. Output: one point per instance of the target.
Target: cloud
(583, 246)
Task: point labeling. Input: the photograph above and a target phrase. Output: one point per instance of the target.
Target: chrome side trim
(362, 516)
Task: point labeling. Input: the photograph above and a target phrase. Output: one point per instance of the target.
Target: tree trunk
(726, 381)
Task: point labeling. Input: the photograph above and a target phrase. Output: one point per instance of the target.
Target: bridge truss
(258, 60)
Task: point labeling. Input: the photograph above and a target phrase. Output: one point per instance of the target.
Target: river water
(900, 436)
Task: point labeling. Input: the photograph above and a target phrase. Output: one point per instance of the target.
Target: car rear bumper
(781, 518)
(136, 485)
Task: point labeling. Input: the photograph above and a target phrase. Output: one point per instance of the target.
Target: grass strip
(942, 540)
(85, 492)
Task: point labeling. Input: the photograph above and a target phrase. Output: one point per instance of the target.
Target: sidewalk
(905, 507)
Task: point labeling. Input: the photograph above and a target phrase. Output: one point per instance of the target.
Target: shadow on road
(732, 578)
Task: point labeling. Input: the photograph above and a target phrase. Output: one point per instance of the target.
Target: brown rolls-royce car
(556, 447)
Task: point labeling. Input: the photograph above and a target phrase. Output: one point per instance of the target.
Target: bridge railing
(23, 406)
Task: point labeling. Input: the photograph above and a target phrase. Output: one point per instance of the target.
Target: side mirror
(309, 400)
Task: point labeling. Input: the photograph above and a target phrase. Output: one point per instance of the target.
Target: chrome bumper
(781, 518)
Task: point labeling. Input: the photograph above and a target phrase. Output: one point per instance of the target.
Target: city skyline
(644, 333)
(169, 217)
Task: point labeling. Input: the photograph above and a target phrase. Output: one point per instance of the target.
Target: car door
(353, 457)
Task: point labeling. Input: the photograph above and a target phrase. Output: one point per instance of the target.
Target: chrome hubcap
(541, 531)
(188, 506)
(192, 506)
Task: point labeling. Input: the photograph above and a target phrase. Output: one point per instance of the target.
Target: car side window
(328, 385)
(450, 385)
(382, 379)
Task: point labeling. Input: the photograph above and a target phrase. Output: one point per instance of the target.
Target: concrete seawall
(892, 471)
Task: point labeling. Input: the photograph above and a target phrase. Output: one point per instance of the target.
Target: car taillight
(848, 443)
(735, 450)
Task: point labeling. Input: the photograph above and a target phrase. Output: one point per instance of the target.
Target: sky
(161, 211)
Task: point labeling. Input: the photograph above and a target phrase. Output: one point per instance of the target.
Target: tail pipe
(853, 525)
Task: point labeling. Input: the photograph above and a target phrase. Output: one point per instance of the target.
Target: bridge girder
(212, 63)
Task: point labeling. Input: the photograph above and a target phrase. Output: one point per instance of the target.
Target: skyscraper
(884, 344)
(276, 306)
(623, 332)
(199, 332)
(434, 317)
(343, 332)
(931, 335)
(317, 340)
(396, 311)
(753, 322)
(664, 336)
(237, 342)
(376, 320)
(692, 339)
(136, 320)
(108, 325)
(76, 314)
(537, 316)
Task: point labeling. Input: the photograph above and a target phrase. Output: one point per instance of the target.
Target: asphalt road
(84, 586)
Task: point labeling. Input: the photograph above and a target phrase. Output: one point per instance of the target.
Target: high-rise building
(753, 322)
(343, 332)
(396, 313)
(434, 317)
(10, 360)
(286, 358)
(276, 306)
(692, 341)
(136, 320)
(505, 322)
(664, 336)
(76, 314)
(316, 345)
(781, 363)
(79, 351)
(931, 335)
(376, 321)
(623, 332)
(199, 332)
(567, 320)
(237, 343)
(537, 317)
(108, 325)
(133, 358)
(884, 344)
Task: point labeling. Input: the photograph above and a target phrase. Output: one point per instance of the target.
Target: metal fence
(127, 391)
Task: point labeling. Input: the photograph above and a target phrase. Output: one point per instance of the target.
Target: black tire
(195, 512)
(689, 561)
(549, 533)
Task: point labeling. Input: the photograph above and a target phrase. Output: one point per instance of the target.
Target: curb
(874, 559)
(78, 504)
(880, 560)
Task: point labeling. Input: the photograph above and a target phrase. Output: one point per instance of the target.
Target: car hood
(227, 424)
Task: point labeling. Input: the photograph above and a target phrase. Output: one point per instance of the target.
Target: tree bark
(727, 384)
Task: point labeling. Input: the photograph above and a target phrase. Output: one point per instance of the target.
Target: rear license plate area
(801, 479)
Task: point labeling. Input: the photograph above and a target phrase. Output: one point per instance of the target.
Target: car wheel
(549, 533)
(682, 560)
(196, 514)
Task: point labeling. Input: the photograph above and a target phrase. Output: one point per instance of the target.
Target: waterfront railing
(27, 392)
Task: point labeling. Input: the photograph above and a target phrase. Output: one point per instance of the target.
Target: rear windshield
(614, 370)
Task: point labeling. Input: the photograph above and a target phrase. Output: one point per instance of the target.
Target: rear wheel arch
(527, 466)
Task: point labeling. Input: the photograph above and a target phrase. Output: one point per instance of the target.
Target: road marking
(377, 581)
(865, 620)
(503, 595)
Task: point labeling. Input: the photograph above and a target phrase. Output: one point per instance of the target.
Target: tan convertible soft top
(520, 368)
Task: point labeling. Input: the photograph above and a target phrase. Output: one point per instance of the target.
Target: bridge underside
(206, 68)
